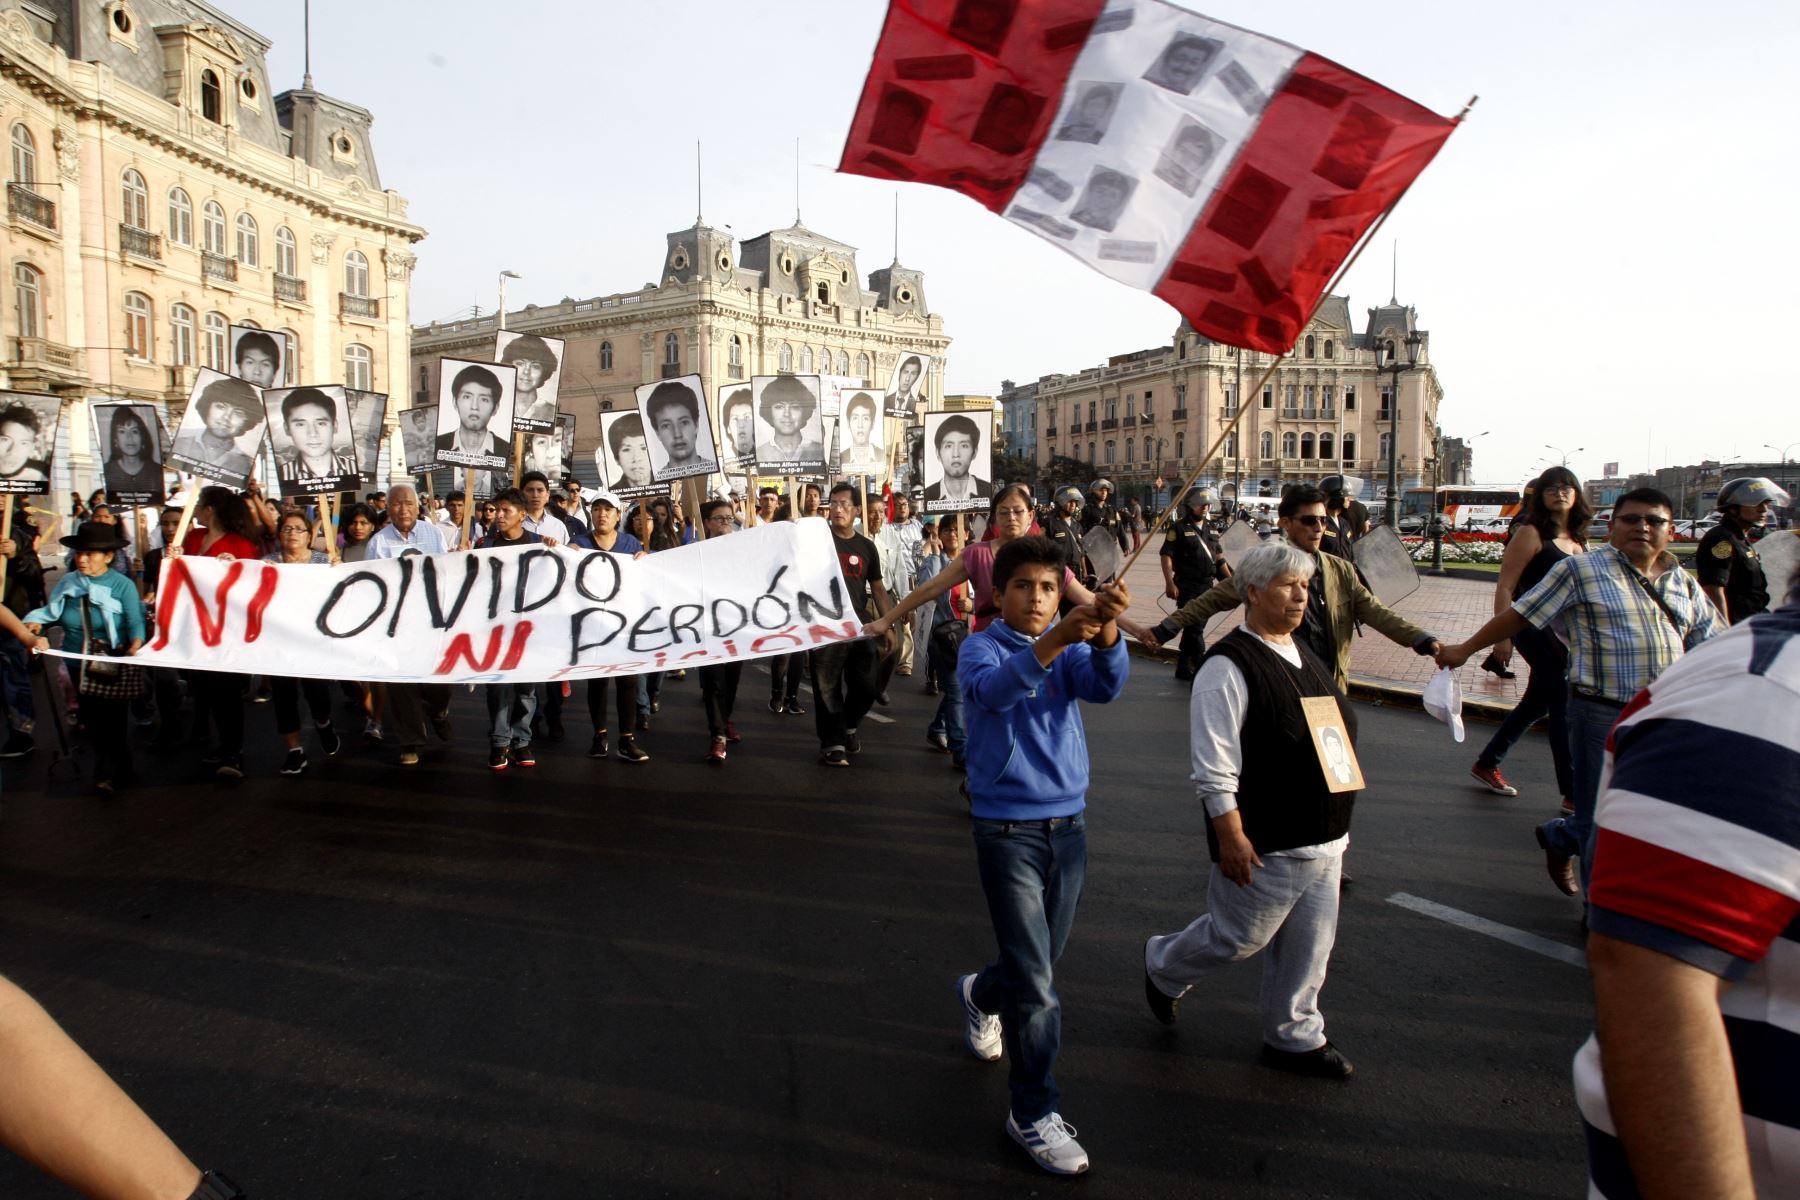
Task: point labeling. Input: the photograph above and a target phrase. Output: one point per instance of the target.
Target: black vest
(1282, 799)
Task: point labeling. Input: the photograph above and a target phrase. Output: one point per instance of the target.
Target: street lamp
(1564, 454)
(1787, 476)
(1437, 504)
(504, 276)
(1391, 512)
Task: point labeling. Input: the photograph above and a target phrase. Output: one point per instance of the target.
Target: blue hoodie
(1027, 751)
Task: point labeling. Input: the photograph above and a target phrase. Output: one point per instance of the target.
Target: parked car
(1600, 526)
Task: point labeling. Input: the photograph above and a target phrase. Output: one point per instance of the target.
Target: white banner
(517, 614)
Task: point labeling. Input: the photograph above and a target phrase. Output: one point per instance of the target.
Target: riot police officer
(1192, 562)
(1345, 519)
(1730, 571)
(1063, 527)
(1101, 514)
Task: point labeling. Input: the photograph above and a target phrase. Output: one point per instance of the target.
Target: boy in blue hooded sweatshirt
(1028, 779)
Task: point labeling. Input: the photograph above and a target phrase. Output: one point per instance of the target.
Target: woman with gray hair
(1277, 824)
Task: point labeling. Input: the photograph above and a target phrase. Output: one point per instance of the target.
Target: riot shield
(1238, 541)
(1101, 545)
(1780, 554)
(1386, 565)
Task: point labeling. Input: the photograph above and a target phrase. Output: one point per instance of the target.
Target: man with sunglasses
(1630, 612)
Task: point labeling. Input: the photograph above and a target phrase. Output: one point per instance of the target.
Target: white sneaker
(981, 1031)
(1051, 1142)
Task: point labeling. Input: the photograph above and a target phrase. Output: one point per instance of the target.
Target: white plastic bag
(1443, 700)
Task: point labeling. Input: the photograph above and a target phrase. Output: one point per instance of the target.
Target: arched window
(824, 293)
(1306, 445)
(672, 350)
(1310, 347)
(1111, 447)
(1268, 444)
(1230, 450)
(1388, 349)
(1386, 441)
(1324, 445)
(1328, 348)
(862, 365)
(247, 323)
(784, 359)
(734, 352)
(214, 331)
(806, 360)
(1091, 456)
(359, 367)
(606, 356)
(290, 358)
(28, 299)
(287, 253)
(136, 212)
(843, 363)
(138, 315)
(1349, 447)
(181, 218)
(182, 323)
(24, 157)
(212, 228)
(356, 275)
(1288, 445)
(212, 100)
(1130, 450)
(249, 253)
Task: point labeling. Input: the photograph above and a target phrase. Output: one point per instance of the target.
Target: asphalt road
(599, 979)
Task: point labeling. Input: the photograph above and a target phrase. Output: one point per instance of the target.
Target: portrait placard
(910, 373)
(790, 428)
(221, 431)
(623, 455)
(28, 423)
(258, 356)
(418, 438)
(862, 446)
(129, 438)
(565, 441)
(681, 441)
(368, 413)
(475, 414)
(737, 428)
(958, 460)
(309, 430)
(1331, 742)
(543, 452)
(538, 363)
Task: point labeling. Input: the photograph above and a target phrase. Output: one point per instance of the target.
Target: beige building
(160, 191)
(787, 301)
(1326, 411)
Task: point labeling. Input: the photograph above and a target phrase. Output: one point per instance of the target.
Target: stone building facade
(159, 191)
(788, 301)
(1326, 411)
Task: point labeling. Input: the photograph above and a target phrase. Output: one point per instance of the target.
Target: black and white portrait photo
(905, 385)
(790, 429)
(543, 452)
(623, 455)
(565, 441)
(309, 430)
(681, 441)
(1008, 119)
(27, 440)
(1103, 200)
(1091, 112)
(368, 412)
(258, 356)
(1184, 160)
(129, 437)
(958, 461)
(475, 414)
(983, 24)
(221, 430)
(418, 438)
(538, 363)
(1183, 63)
(861, 449)
(737, 428)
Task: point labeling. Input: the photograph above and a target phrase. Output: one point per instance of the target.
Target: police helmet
(1098, 484)
(1200, 497)
(1066, 494)
(1750, 491)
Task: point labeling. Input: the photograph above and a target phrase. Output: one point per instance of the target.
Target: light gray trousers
(1290, 910)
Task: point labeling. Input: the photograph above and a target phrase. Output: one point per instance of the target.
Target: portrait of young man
(956, 466)
(675, 415)
(859, 430)
(309, 429)
(790, 431)
(737, 428)
(258, 357)
(475, 411)
(27, 437)
(623, 456)
(538, 362)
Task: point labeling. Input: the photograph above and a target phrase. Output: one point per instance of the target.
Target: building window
(1386, 411)
(1112, 408)
(181, 322)
(1093, 407)
(28, 299)
(24, 157)
(1292, 400)
(215, 329)
(181, 218)
(290, 361)
(823, 291)
(1310, 346)
(1230, 401)
(1269, 397)
(1312, 398)
(212, 100)
(784, 361)
(1180, 395)
(1110, 448)
(606, 356)
(1092, 457)
(359, 367)
(1349, 447)
(862, 366)
(356, 275)
(1288, 445)
(1268, 444)
(843, 363)
(806, 361)
(138, 314)
(1131, 406)
(249, 253)
(137, 200)
(1324, 445)
(1180, 447)
(212, 228)
(287, 253)
(1230, 450)
(1328, 348)
(1385, 441)
(1306, 445)
(734, 353)
(1327, 397)
(1130, 450)
(1181, 348)
(1349, 399)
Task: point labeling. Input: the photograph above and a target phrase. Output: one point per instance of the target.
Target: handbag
(947, 638)
(106, 677)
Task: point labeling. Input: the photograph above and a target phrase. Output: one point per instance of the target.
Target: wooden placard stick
(518, 457)
(6, 535)
(187, 515)
(793, 497)
(143, 547)
(750, 499)
(328, 509)
(692, 496)
(468, 504)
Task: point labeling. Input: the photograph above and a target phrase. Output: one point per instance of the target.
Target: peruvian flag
(1227, 172)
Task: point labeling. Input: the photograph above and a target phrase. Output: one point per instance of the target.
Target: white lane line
(1493, 929)
(875, 716)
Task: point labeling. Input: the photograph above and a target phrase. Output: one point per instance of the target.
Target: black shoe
(497, 760)
(329, 741)
(938, 742)
(656, 705)
(556, 733)
(835, 757)
(230, 769)
(931, 689)
(18, 745)
(881, 698)
(598, 747)
(774, 704)
(1184, 676)
(1162, 1007)
(793, 706)
(852, 743)
(628, 750)
(1494, 666)
(524, 756)
(295, 762)
(440, 724)
(1323, 1063)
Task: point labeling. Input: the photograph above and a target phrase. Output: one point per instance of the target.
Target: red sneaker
(717, 753)
(731, 733)
(1493, 780)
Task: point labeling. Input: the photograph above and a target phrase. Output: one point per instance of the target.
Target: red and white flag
(1227, 172)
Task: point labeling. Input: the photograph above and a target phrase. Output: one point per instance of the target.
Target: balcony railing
(358, 306)
(289, 288)
(1290, 414)
(140, 242)
(27, 205)
(218, 266)
(49, 358)
(1179, 414)
(1110, 423)
(1130, 420)
(1050, 432)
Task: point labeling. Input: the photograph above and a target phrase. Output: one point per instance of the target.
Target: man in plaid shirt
(1627, 611)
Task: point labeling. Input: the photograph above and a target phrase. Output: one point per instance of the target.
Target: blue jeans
(1589, 721)
(1546, 694)
(1031, 872)
(510, 709)
(15, 686)
(949, 718)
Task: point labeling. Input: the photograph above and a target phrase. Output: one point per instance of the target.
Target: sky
(1598, 252)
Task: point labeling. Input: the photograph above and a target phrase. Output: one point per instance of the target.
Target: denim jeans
(1032, 873)
(1546, 694)
(949, 718)
(510, 709)
(15, 685)
(1589, 722)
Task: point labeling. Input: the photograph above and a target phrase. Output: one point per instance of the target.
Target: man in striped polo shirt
(1690, 1085)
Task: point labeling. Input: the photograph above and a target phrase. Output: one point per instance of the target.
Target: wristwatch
(214, 1186)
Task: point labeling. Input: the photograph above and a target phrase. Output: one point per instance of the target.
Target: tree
(1062, 471)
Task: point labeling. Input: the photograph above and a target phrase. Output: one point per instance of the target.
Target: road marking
(875, 716)
(1493, 929)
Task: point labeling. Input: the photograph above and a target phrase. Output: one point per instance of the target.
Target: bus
(1465, 506)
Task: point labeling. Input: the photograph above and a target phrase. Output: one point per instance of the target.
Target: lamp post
(1787, 476)
(1391, 511)
(1437, 503)
(504, 276)
(1564, 454)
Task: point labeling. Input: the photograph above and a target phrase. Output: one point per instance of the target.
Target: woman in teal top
(114, 614)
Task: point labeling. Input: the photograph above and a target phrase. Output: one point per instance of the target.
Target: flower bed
(1459, 547)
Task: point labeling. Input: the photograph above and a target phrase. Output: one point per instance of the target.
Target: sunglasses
(1312, 522)
(1653, 521)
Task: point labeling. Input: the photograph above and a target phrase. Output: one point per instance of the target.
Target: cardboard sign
(910, 373)
(790, 424)
(1331, 742)
(221, 431)
(475, 414)
(537, 363)
(310, 432)
(958, 461)
(1387, 566)
(129, 437)
(259, 356)
(681, 441)
(368, 414)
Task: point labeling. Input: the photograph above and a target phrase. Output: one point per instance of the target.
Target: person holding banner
(294, 534)
(408, 703)
(607, 510)
(844, 673)
(224, 529)
(511, 706)
(719, 681)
